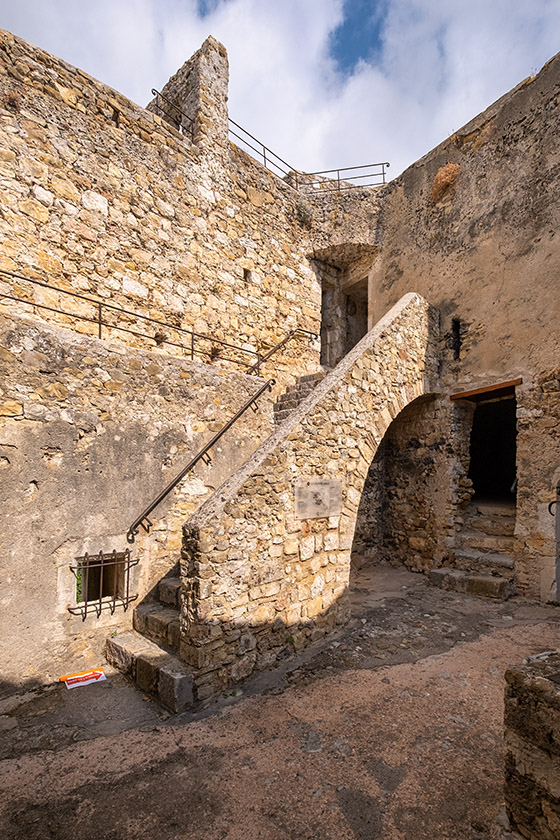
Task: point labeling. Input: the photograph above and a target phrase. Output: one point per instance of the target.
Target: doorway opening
(344, 318)
(493, 449)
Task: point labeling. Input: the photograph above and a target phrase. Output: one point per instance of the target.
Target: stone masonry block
(175, 686)
(122, 651)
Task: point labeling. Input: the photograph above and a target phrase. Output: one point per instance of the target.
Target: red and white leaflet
(83, 678)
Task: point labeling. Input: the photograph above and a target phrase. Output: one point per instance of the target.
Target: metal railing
(179, 123)
(203, 455)
(195, 344)
(264, 358)
(273, 162)
(330, 180)
(339, 180)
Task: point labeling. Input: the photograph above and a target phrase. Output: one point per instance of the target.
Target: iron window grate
(102, 582)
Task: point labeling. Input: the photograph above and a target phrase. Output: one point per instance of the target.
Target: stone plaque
(318, 498)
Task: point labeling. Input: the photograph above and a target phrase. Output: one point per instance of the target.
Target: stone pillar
(194, 100)
(532, 735)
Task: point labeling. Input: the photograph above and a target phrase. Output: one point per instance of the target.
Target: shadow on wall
(404, 506)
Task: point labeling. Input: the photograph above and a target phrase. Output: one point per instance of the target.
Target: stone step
(491, 543)
(492, 525)
(491, 508)
(159, 623)
(313, 377)
(300, 388)
(169, 591)
(470, 559)
(488, 586)
(282, 405)
(280, 416)
(154, 670)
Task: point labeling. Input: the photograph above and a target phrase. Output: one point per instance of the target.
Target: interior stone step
(457, 580)
(300, 388)
(493, 543)
(491, 525)
(159, 623)
(169, 591)
(280, 416)
(491, 508)
(468, 559)
(155, 670)
(313, 377)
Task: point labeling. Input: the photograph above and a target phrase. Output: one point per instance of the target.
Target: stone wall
(532, 741)
(417, 487)
(90, 432)
(102, 197)
(472, 227)
(404, 507)
(260, 577)
(538, 448)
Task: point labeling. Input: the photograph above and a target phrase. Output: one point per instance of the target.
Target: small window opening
(102, 582)
(247, 275)
(456, 338)
(115, 116)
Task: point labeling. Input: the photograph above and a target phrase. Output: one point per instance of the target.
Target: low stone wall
(266, 560)
(532, 740)
(89, 434)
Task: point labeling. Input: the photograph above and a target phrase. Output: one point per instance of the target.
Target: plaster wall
(90, 433)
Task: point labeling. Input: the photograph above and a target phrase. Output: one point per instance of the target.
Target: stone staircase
(482, 562)
(257, 583)
(295, 394)
(148, 653)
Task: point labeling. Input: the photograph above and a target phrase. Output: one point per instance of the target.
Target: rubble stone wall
(259, 581)
(103, 197)
(538, 458)
(532, 742)
(482, 247)
(405, 516)
(90, 433)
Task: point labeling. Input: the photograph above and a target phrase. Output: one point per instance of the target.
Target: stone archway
(403, 517)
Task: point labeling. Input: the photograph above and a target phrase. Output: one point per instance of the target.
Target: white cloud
(439, 64)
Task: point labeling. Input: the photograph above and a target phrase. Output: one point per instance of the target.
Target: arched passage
(404, 512)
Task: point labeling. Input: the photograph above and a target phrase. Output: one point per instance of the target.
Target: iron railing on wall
(339, 180)
(169, 111)
(202, 455)
(104, 318)
(315, 183)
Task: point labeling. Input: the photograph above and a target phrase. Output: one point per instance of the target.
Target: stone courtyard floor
(391, 729)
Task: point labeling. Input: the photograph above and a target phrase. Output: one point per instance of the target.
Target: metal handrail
(159, 338)
(342, 181)
(277, 165)
(190, 120)
(262, 151)
(143, 520)
(279, 346)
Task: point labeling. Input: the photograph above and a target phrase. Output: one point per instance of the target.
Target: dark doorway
(493, 449)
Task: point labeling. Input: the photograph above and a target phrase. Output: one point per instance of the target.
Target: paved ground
(393, 730)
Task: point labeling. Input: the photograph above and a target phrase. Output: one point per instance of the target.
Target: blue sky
(359, 36)
(325, 83)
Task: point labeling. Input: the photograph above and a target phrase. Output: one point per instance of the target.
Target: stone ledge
(154, 670)
(489, 586)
